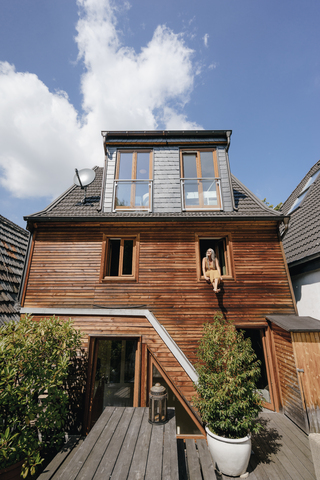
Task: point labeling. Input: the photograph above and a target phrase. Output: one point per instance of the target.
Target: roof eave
(151, 218)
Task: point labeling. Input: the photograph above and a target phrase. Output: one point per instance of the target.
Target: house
(302, 242)
(13, 247)
(124, 263)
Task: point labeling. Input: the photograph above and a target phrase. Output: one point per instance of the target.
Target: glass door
(113, 375)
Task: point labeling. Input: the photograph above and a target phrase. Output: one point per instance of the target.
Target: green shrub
(228, 369)
(35, 361)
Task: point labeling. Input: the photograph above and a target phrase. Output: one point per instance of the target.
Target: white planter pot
(232, 455)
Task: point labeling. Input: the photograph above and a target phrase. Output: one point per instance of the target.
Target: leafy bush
(35, 361)
(227, 400)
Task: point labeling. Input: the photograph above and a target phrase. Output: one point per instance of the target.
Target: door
(113, 375)
(259, 345)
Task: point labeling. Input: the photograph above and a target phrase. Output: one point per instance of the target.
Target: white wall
(307, 292)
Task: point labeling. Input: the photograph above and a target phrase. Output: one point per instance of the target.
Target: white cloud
(44, 138)
(205, 39)
(41, 144)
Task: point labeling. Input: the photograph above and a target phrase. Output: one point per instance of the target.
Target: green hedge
(41, 376)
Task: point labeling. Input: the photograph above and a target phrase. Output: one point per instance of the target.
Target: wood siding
(306, 348)
(66, 263)
(289, 386)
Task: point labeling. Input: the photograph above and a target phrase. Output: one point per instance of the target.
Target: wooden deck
(123, 445)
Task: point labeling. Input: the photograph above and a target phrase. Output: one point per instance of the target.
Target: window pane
(127, 257)
(191, 193)
(113, 260)
(123, 195)
(189, 165)
(185, 424)
(142, 194)
(221, 256)
(125, 167)
(207, 168)
(209, 192)
(143, 165)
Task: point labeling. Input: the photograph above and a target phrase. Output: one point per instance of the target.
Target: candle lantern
(158, 404)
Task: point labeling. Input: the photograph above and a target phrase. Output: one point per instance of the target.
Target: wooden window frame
(105, 255)
(228, 255)
(197, 152)
(133, 177)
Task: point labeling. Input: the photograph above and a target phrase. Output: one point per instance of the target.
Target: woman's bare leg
(215, 285)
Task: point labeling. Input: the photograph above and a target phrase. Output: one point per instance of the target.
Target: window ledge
(128, 279)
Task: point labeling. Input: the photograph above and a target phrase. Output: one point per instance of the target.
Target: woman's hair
(213, 256)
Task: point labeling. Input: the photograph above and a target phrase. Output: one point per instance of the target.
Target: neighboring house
(302, 242)
(13, 248)
(125, 266)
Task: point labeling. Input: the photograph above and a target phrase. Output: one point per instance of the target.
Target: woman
(211, 269)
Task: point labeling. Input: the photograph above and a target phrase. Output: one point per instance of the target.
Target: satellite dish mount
(83, 178)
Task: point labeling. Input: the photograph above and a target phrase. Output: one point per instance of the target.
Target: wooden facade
(65, 272)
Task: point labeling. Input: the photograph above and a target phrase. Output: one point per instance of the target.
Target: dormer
(167, 172)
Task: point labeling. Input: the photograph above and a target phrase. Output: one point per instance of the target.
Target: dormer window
(200, 181)
(303, 192)
(133, 180)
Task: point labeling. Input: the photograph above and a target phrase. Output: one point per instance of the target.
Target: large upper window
(133, 180)
(200, 182)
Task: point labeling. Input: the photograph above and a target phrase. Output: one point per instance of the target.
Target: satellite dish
(83, 178)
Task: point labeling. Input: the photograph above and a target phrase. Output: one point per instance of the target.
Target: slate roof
(68, 206)
(13, 248)
(302, 240)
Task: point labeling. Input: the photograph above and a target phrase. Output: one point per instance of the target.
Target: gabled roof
(13, 247)
(302, 240)
(68, 207)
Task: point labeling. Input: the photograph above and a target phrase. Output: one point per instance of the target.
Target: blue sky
(69, 69)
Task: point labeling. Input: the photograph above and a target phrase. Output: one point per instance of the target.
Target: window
(133, 180)
(200, 182)
(303, 192)
(222, 248)
(119, 259)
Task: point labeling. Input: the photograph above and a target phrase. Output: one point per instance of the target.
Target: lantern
(158, 404)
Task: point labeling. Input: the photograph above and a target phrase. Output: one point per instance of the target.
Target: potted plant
(228, 400)
(35, 391)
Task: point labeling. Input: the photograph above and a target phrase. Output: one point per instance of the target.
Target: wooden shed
(297, 343)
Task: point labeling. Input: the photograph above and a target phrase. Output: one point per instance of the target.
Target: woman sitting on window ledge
(211, 269)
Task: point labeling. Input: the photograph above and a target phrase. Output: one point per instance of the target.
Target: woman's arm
(204, 269)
